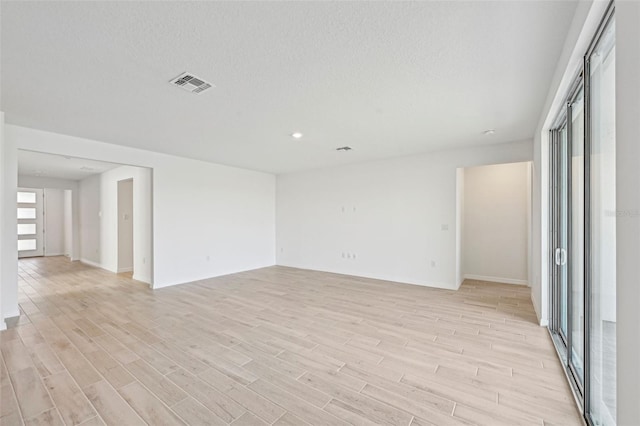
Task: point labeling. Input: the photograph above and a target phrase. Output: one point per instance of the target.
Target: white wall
(68, 222)
(8, 283)
(460, 211)
(390, 214)
(53, 222)
(99, 220)
(208, 219)
(90, 230)
(628, 201)
(125, 225)
(3, 253)
(64, 184)
(495, 243)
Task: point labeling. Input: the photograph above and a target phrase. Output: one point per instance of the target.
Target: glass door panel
(30, 211)
(576, 298)
(563, 231)
(602, 343)
(568, 174)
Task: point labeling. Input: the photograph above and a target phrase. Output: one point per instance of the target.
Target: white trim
(142, 280)
(13, 314)
(394, 279)
(544, 322)
(54, 254)
(129, 269)
(496, 279)
(91, 263)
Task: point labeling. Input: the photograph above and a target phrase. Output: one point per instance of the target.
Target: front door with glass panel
(30, 219)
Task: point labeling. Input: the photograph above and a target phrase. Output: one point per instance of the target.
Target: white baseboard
(381, 277)
(12, 314)
(54, 254)
(495, 279)
(91, 263)
(129, 269)
(542, 321)
(141, 279)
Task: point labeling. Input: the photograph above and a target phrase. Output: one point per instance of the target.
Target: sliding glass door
(567, 241)
(576, 230)
(583, 231)
(602, 230)
(560, 203)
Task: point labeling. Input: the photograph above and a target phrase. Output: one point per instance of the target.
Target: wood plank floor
(277, 346)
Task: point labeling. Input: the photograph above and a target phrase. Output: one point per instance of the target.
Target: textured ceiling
(386, 78)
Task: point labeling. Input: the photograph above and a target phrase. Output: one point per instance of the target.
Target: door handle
(558, 256)
(563, 257)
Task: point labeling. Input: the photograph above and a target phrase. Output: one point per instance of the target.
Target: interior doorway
(494, 223)
(105, 210)
(125, 226)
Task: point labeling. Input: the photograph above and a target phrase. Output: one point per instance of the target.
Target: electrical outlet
(208, 258)
(444, 227)
(433, 263)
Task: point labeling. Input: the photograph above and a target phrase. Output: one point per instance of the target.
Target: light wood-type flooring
(277, 346)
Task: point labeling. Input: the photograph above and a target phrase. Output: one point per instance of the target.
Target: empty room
(320, 212)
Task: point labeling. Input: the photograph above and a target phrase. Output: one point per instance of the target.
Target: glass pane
(576, 250)
(603, 231)
(27, 197)
(27, 213)
(24, 245)
(563, 228)
(26, 229)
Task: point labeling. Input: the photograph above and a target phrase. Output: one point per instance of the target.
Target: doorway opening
(95, 212)
(125, 226)
(494, 223)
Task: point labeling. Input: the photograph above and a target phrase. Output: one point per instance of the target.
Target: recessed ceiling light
(489, 132)
(296, 135)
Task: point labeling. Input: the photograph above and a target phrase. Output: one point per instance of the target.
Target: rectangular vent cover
(191, 83)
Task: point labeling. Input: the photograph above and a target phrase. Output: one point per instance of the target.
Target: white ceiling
(57, 166)
(386, 78)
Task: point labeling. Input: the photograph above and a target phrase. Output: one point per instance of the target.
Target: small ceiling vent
(191, 83)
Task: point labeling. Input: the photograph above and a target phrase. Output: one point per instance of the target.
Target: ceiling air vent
(191, 83)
